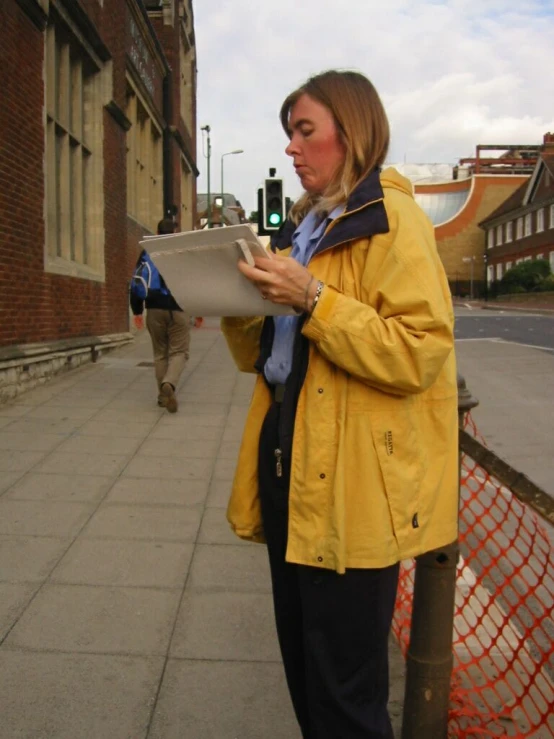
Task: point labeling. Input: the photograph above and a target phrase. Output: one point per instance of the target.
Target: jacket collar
(364, 216)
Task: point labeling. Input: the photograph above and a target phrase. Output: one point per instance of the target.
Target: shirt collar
(313, 226)
(306, 227)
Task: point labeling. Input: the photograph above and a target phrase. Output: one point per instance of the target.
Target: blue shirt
(304, 243)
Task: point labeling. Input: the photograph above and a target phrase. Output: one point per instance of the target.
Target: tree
(253, 216)
(525, 276)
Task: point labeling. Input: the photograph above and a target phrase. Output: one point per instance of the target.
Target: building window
(490, 274)
(144, 164)
(551, 259)
(509, 231)
(74, 166)
(540, 220)
(519, 228)
(552, 216)
(499, 235)
(490, 238)
(508, 266)
(499, 271)
(528, 224)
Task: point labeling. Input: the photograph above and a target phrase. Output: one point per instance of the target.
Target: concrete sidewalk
(127, 608)
(515, 388)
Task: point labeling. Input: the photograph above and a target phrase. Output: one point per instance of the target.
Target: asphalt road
(525, 329)
(507, 360)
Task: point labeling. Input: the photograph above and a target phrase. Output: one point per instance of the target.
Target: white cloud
(452, 74)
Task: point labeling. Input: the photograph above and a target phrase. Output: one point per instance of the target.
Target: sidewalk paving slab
(77, 696)
(128, 609)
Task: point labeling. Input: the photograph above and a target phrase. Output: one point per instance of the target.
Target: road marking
(500, 340)
(518, 343)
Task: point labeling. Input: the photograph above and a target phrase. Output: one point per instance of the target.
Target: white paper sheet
(200, 269)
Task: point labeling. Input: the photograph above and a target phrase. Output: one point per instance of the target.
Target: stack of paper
(200, 269)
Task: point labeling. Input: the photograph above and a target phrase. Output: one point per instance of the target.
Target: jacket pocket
(402, 461)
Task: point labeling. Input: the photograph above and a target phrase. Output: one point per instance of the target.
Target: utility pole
(471, 261)
(235, 151)
(208, 155)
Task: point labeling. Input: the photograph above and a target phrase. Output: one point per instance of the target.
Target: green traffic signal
(273, 205)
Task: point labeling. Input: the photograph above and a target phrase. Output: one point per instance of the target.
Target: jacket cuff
(314, 327)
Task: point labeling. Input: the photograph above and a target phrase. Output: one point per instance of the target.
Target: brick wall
(461, 237)
(37, 306)
(21, 178)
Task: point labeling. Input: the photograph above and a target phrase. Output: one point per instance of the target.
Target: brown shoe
(169, 398)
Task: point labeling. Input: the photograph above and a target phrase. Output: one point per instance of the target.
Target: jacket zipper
(278, 452)
(279, 463)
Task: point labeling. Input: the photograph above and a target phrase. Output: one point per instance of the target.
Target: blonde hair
(362, 126)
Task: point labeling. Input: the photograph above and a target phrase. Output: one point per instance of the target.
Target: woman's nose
(292, 147)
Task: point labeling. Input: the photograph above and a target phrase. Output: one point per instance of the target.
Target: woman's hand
(282, 280)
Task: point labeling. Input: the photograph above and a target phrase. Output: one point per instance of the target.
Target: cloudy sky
(451, 73)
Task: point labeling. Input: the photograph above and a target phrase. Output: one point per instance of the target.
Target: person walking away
(349, 456)
(167, 324)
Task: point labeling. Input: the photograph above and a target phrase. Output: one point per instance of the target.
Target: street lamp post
(208, 155)
(235, 151)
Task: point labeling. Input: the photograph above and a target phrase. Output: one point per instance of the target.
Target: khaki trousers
(170, 334)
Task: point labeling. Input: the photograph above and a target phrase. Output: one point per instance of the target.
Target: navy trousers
(333, 629)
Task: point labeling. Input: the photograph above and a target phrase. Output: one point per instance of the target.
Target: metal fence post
(429, 658)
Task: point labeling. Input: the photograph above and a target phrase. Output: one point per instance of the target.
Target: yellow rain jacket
(374, 462)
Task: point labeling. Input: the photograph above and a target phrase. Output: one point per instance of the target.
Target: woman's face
(315, 144)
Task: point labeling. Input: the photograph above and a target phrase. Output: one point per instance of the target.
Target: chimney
(548, 141)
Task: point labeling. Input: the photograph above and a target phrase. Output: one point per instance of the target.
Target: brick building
(458, 204)
(522, 227)
(97, 142)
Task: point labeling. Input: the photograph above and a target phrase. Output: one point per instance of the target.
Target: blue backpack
(147, 279)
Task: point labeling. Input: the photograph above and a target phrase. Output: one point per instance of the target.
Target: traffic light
(274, 212)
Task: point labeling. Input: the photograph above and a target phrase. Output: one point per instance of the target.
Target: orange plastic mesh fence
(503, 677)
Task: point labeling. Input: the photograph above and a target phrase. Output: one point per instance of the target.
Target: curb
(514, 309)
